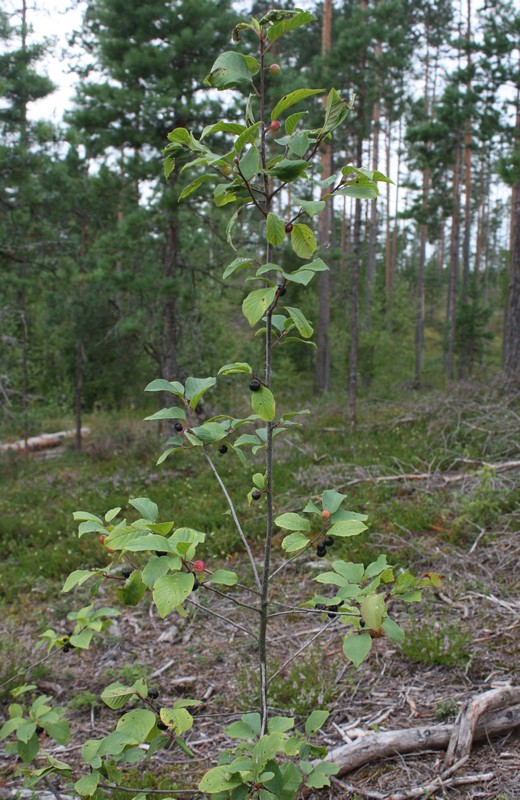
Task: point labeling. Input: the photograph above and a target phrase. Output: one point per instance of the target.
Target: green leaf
(336, 111)
(160, 385)
(133, 590)
(231, 224)
(260, 480)
(302, 241)
(82, 640)
(250, 163)
(311, 207)
(87, 785)
(263, 403)
(248, 136)
(231, 69)
(116, 695)
(137, 724)
(196, 387)
(280, 724)
(360, 191)
(294, 542)
(240, 730)
(292, 121)
(289, 169)
(352, 572)
(331, 500)
(156, 567)
(238, 263)
(196, 184)
(315, 721)
(85, 516)
(275, 229)
(223, 127)
(376, 567)
(210, 432)
(219, 779)
(319, 777)
(256, 304)
(350, 527)
(299, 144)
(235, 368)
(147, 508)
(290, 99)
(393, 631)
(293, 522)
(175, 412)
(289, 24)
(303, 325)
(25, 731)
(77, 577)
(373, 609)
(171, 591)
(225, 577)
(169, 166)
(357, 647)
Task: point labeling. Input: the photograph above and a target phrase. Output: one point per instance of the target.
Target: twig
(22, 672)
(417, 791)
(225, 619)
(302, 648)
(236, 521)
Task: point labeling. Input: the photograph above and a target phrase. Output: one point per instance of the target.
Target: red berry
(288, 227)
(199, 566)
(274, 126)
(275, 69)
(325, 514)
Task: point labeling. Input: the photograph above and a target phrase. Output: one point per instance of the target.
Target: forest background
(108, 281)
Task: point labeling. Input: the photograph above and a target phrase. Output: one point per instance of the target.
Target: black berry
(39, 730)
(178, 426)
(223, 448)
(332, 611)
(161, 553)
(328, 541)
(66, 647)
(362, 623)
(256, 495)
(255, 385)
(321, 550)
(162, 726)
(320, 606)
(126, 572)
(281, 289)
(196, 585)
(153, 693)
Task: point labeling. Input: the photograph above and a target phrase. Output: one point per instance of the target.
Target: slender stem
(233, 599)
(262, 633)
(236, 521)
(302, 648)
(220, 616)
(28, 669)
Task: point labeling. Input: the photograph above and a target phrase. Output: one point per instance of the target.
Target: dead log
(442, 477)
(376, 746)
(41, 442)
(467, 721)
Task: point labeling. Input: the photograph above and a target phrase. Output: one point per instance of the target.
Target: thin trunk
(169, 344)
(419, 323)
(393, 268)
(322, 373)
(78, 392)
(344, 245)
(388, 238)
(511, 348)
(451, 311)
(354, 316)
(464, 360)
(372, 236)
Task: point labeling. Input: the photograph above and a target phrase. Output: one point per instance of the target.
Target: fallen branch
(376, 746)
(41, 442)
(417, 791)
(444, 477)
(464, 730)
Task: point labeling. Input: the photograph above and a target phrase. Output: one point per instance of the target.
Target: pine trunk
(451, 311)
(511, 350)
(464, 354)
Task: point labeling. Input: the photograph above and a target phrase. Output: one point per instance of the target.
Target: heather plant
(249, 164)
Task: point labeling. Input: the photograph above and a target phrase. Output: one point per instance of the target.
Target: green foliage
(445, 644)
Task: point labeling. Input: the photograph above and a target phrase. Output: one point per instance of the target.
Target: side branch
(236, 521)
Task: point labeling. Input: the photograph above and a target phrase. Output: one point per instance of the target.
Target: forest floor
(443, 510)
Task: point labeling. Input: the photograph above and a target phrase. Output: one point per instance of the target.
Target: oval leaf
(263, 404)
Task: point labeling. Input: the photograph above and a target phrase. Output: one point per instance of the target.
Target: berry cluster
(321, 549)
